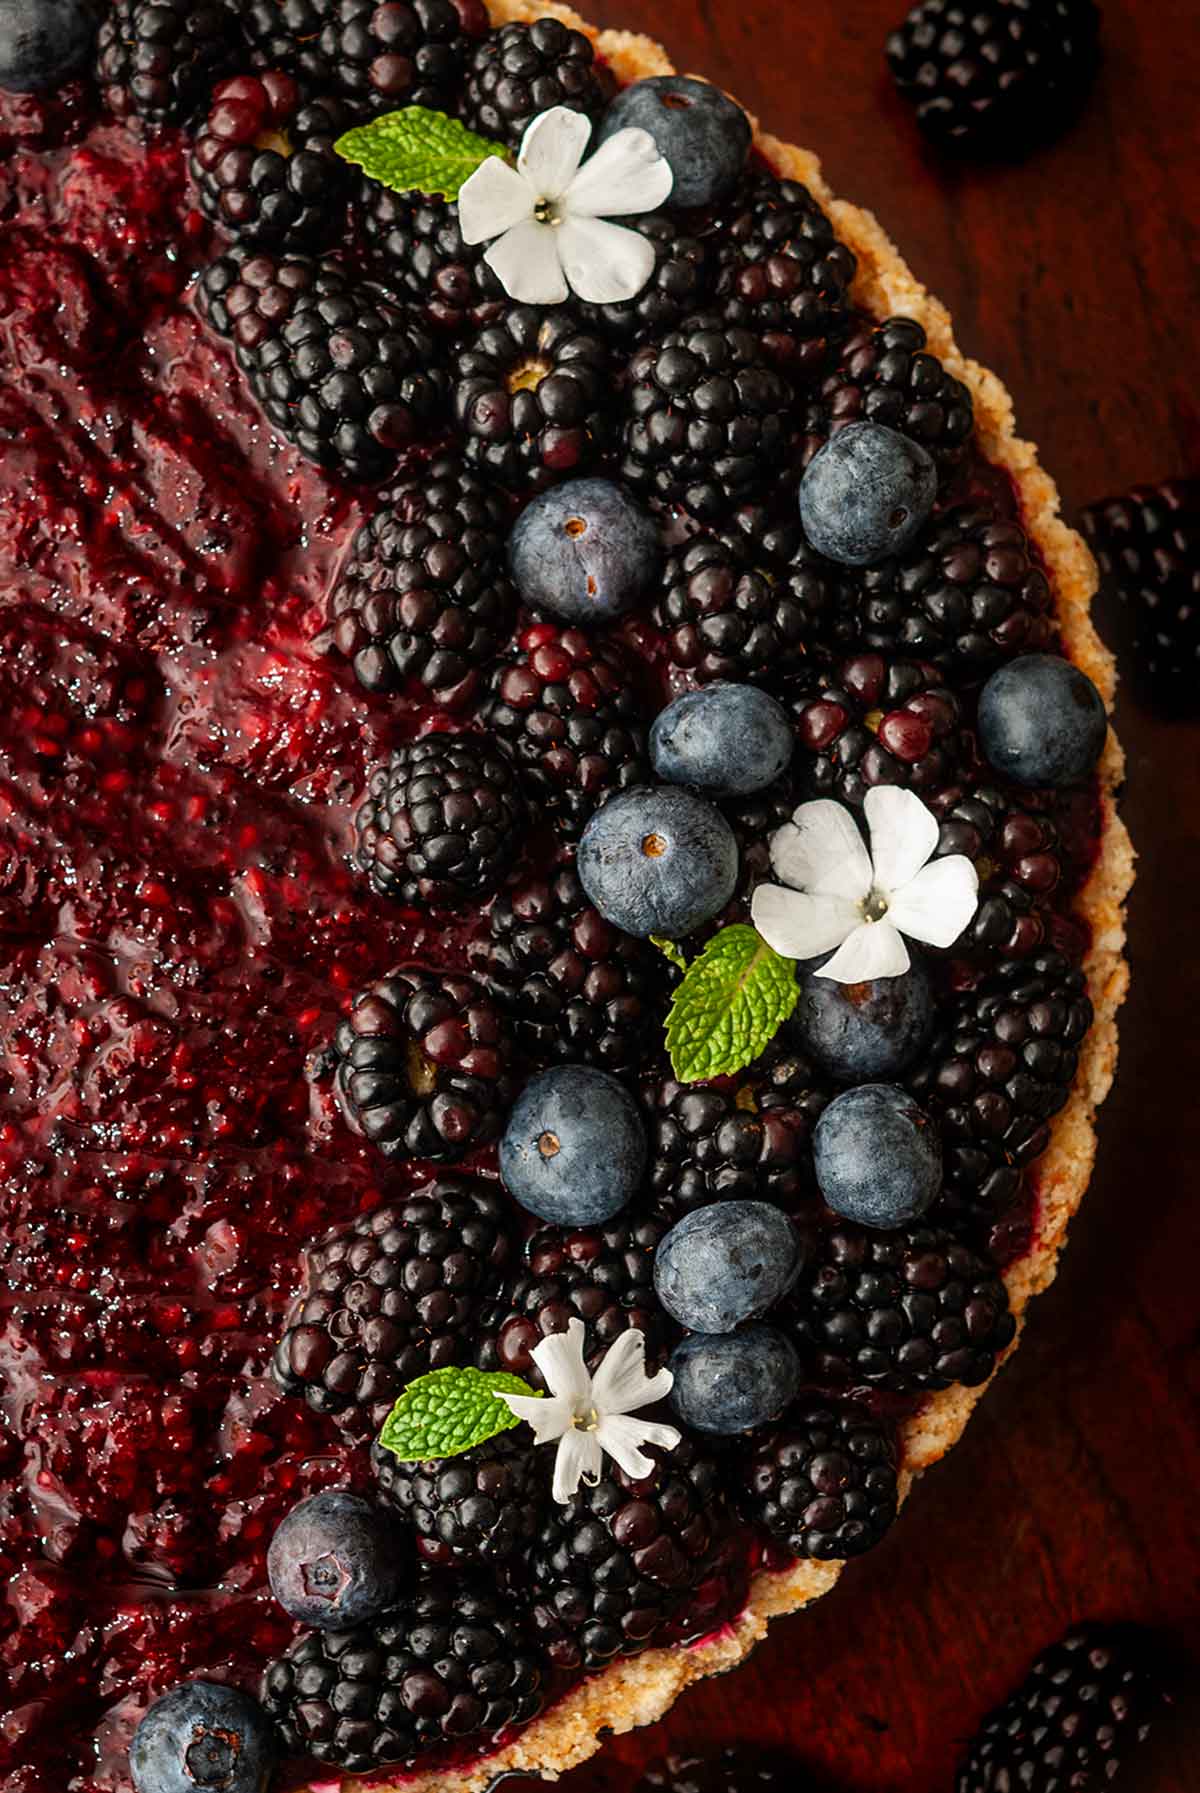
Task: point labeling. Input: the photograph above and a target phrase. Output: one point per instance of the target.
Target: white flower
(862, 903)
(548, 213)
(589, 1414)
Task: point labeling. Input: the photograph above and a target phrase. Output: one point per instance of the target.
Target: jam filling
(179, 935)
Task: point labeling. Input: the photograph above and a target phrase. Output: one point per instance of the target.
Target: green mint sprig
(450, 1411)
(733, 1000)
(417, 150)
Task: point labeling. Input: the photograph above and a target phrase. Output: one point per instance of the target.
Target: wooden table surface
(1076, 1491)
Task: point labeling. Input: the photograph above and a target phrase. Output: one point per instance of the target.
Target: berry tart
(560, 894)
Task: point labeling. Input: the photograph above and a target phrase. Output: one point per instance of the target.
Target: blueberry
(865, 494)
(877, 1156)
(728, 739)
(1041, 721)
(701, 132)
(336, 1560)
(726, 1263)
(861, 1032)
(734, 1381)
(658, 860)
(585, 551)
(43, 42)
(574, 1150)
(203, 1735)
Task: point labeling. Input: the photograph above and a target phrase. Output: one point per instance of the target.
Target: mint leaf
(670, 949)
(450, 1411)
(417, 150)
(730, 1005)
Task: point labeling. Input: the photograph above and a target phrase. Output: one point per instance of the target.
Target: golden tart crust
(640, 1690)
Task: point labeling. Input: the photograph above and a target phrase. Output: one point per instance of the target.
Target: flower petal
(621, 1385)
(492, 200)
(875, 949)
(623, 1438)
(937, 904)
(560, 1359)
(550, 1419)
(625, 175)
(525, 260)
(578, 1458)
(904, 834)
(801, 926)
(822, 851)
(551, 151)
(604, 263)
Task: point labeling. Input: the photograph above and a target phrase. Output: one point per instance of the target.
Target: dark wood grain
(1076, 1491)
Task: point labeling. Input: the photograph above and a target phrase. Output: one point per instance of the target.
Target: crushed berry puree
(179, 934)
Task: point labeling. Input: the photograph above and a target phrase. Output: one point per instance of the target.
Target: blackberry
(726, 616)
(996, 76)
(783, 274)
(576, 988)
(401, 53)
(482, 1506)
(969, 594)
(264, 166)
(708, 417)
(740, 1768)
(742, 1138)
(520, 70)
(395, 1294)
(614, 1565)
(530, 396)
(156, 58)
(339, 369)
(754, 820)
(1148, 546)
(873, 721)
(566, 708)
(416, 244)
(1085, 1705)
(440, 821)
(823, 1483)
(886, 374)
(999, 1069)
(903, 1312)
(1016, 848)
(684, 272)
(452, 1662)
(422, 1065)
(603, 1276)
(425, 594)
(287, 34)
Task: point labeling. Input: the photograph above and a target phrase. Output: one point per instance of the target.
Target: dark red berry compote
(188, 915)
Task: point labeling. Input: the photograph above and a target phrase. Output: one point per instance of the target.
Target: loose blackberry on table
(531, 397)
(1148, 546)
(441, 820)
(264, 164)
(575, 987)
(339, 368)
(823, 1484)
(397, 1293)
(706, 413)
(422, 1065)
(566, 707)
(415, 244)
(520, 70)
(453, 1662)
(602, 1276)
(425, 594)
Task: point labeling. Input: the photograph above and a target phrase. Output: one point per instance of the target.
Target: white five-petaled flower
(590, 1415)
(548, 213)
(863, 903)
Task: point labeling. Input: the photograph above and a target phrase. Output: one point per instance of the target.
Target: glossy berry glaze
(179, 934)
